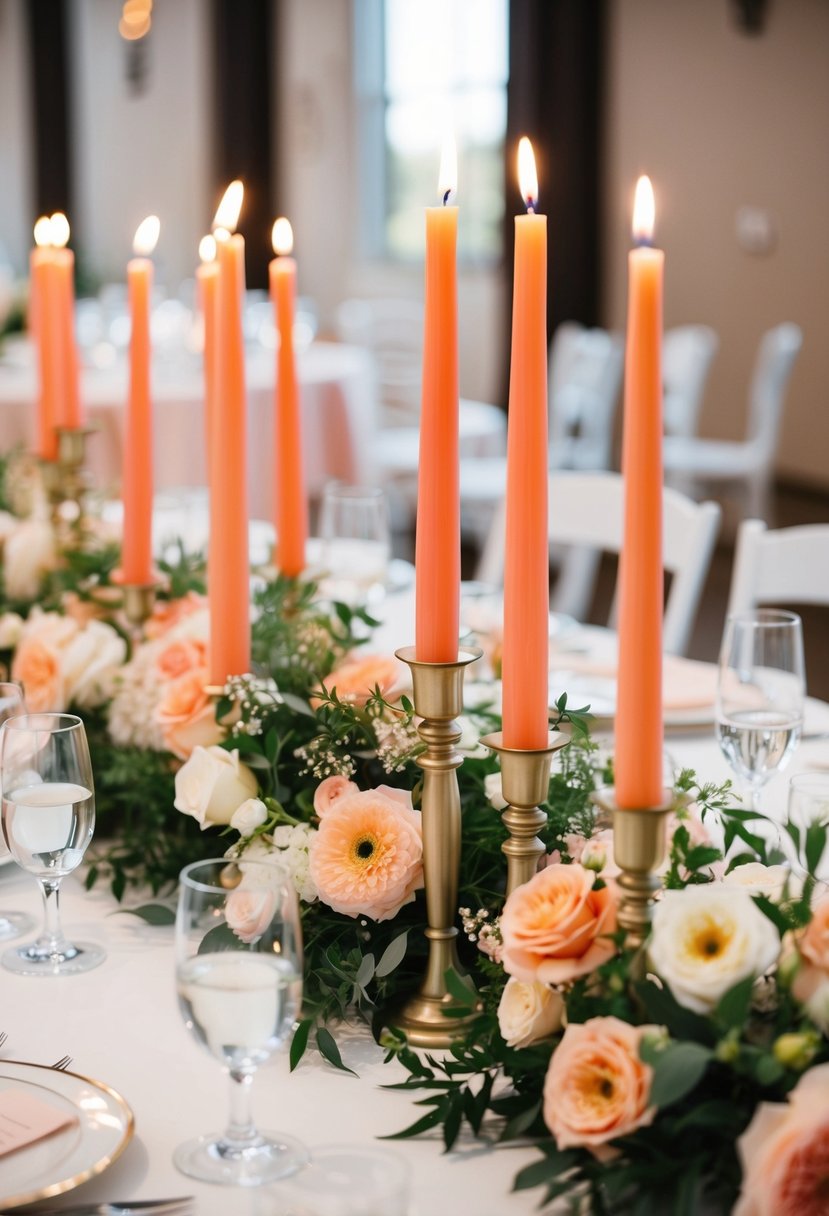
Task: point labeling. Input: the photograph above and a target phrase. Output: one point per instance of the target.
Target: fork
(3, 1037)
(139, 1207)
(62, 1064)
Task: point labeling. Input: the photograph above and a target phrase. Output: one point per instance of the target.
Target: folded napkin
(686, 683)
(24, 1120)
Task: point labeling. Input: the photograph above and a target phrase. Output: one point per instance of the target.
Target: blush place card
(24, 1120)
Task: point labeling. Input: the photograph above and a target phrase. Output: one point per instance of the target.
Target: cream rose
(494, 790)
(249, 912)
(785, 1153)
(597, 1089)
(212, 785)
(528, 1012)
(11, 630)
(706, 939)
(249, 816)
(27, 555)
(761, 880)
(91, 661)
(556, 927)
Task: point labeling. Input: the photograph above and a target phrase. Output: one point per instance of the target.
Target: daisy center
(365, 848)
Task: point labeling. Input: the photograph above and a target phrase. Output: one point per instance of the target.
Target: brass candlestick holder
(427, 1018)
(139, 601)
(72, 481)
(638, 850)
(525, 781)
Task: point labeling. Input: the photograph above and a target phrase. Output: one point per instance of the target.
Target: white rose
(28, 553)
(249, 816)
(494, 790)
(762, 880)
(706, 939)
(91, 662)
(528, 1012)
(470, 740)
(11, 630)
(213, 784)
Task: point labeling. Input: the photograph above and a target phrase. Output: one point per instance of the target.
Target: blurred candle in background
(42, 323)
(229, 586)
(290, 502)
(207, 277)
(525, 658)
(69, 413)
(437, 542)
(136, 554)
(638, 757)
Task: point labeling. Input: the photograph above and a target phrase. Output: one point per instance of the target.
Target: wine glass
(12, 924)
(48, 820)
(354, 527)
(760, 692)
(239, 979)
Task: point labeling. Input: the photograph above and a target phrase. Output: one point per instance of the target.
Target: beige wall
(16, 205)
(721, 119)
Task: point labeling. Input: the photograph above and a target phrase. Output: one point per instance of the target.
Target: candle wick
(530, 206)
(446, 197)
(643, 242)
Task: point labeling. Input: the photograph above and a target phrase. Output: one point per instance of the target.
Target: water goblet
(760, 693)
(48, 821)
(354, 527)
(12, 924)
(809, 808)
(239, 981)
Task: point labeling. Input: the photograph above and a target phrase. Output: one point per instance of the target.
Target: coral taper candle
(136, 549)
(437, 546)
(290, 502)
(638, 762)
(68, 403)
(525, 658)
(42, 325)
(207, 277)
(229, 588)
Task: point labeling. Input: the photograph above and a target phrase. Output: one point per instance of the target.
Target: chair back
(587, 514)
(782, 566)
(687, 354)
(585, 376)
(779, 348)
(392, 329)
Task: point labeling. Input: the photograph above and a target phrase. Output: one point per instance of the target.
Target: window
(422, 67)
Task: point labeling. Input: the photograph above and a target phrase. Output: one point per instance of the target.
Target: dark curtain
(46, 26)
(242, 59)
(554, 97)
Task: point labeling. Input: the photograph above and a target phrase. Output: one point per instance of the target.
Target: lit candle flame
(60, 230)
(527, 175)
(146, 236)
(282, 237)
(207, 249)
(644, 212)
(227, 213)
(43, 232)
(448, 175)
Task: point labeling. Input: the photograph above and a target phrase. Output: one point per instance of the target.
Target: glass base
(14, 924)
(70, 959)
(211, 1158)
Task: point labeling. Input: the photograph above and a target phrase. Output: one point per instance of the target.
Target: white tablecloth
(338, 408)
(121, 1025)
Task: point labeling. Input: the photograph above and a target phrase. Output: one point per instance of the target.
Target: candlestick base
(139, 601)
(638, 850)
(525, 781)
(434, 1018)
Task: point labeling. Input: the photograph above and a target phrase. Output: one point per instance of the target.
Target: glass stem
(241, 1132)
(51, 939)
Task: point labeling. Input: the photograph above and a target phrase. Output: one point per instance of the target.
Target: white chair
(691, 464)
(585, 375)
(586, 511)
(687, 354)
(784, 566)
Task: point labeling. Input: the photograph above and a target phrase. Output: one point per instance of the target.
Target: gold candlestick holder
(427, 1018)
(138, 601)
(525, 781)
(638, 849)
(72, 479)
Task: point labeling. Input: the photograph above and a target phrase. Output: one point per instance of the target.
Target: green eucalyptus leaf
(219, 939)
(300, 1041)
(392, 956)
(329, 1050)
(151, 914)
(677, 1069)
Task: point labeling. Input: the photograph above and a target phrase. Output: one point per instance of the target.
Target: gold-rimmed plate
(102, 1127)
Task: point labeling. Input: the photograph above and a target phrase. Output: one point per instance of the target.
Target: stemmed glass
(760, 694)
(48, 820)
(239, 979)
(354, 527)
(12, 924)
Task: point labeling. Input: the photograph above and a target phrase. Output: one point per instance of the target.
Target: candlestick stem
(427, 1018)
(525, 781)
(139, 602)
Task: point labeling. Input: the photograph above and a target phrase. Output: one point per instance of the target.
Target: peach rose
(37, 666)
(250, 912)
(597, 1088)
(367, 857)
(168, 613)
(180, 657)
(329, 792)
(556, 926)
(187, 715)
(811, 982)
(355, 680)
(785, 1153)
